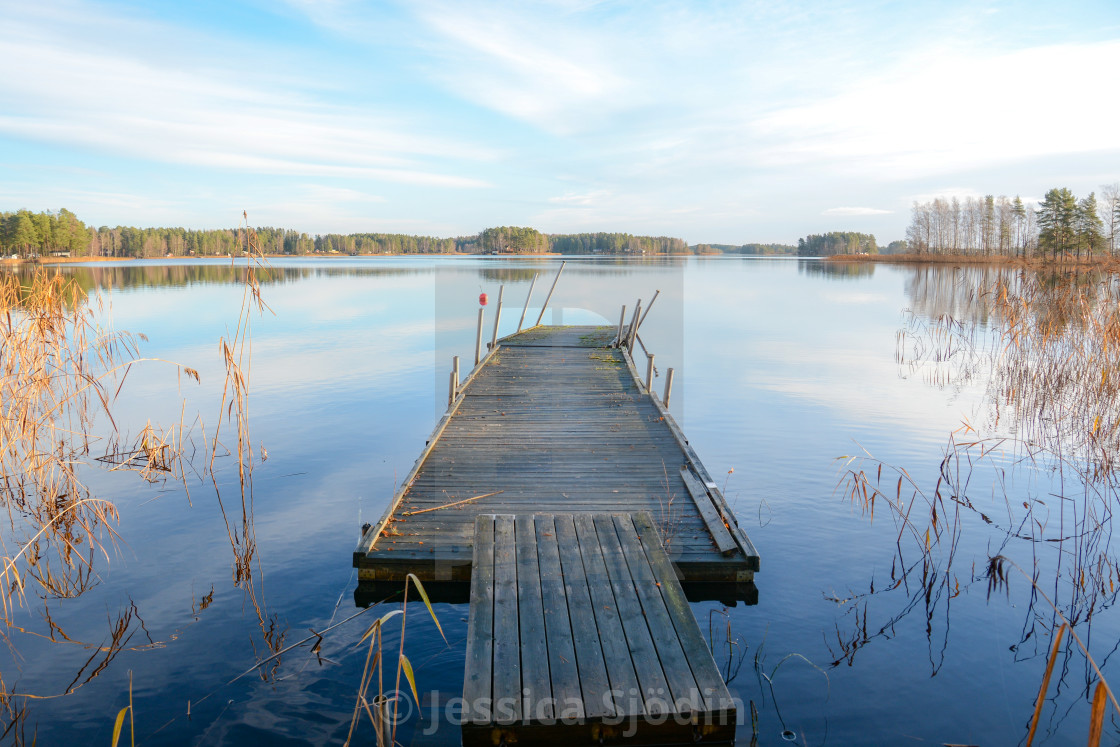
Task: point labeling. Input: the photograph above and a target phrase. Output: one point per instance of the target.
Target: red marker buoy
(482, 299)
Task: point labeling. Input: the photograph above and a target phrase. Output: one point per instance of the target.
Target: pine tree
(24, 237)
(1057, 214)
(1089, 225)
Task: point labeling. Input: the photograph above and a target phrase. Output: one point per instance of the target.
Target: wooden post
(549, 296)
(633, 328)
(668, 386)
(655, 295)
(649, 374)
(497, 316)
(454, 379)
(621, 322)
(451, 387)
(527, 297)
(478, 341)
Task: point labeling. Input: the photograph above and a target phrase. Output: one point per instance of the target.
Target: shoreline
(74, 260)
(969, 259)
(1106, 262)
(318, 257)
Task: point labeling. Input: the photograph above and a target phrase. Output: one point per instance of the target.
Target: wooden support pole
(649, 374)
(549, 296)
(454, 378)
(478, 341)
(527, 297)
(497, 316)
(451, 387)
(668, 386)
(621, 323)
(651, 302)
(633, 328)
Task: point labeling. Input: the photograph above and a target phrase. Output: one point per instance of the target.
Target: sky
(716, 122)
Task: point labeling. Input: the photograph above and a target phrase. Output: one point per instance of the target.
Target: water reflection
(1024, 499)
(183, 274)
(835, 270)
(186, 273)
(785, 368)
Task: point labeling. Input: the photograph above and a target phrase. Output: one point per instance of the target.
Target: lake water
(782, 366)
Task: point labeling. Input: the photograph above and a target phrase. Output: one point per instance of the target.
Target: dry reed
(60, 373)
(1045, 346)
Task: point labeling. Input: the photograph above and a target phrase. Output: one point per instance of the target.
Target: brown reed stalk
(1096, 714)
(1041, 699)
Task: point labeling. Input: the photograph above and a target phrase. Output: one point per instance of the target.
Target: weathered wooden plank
(625, 688)
(478, 678)
(740, 536)
(651, 678)
(683, 691)
(562, 656)
(700, 660)
(594, 681)
(536, 687)
(507, 638)
(604, 584)
(724, 543)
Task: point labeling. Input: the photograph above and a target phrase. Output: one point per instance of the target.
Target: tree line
(1060, 226)
(45, 233)
(616, 243)
(836, 242)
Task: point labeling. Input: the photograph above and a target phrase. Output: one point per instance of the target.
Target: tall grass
(233, 413)
(382, 709)
(61, 371)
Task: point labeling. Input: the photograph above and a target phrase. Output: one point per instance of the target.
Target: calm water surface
(782, 366)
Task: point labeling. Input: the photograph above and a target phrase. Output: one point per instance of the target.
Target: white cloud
(937, 113)
(948, 193)
(855, 211)
(216, 115)
(539, 68)
(580, 198)
(327, 195)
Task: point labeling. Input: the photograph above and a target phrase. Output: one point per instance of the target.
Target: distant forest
(42, 234)
(1061, 226)
(836, 242)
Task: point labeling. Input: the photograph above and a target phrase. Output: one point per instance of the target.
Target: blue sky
(722, 122)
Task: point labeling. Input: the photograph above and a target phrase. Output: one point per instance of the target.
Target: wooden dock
(556, 420)
(563, 491)
(578, 620)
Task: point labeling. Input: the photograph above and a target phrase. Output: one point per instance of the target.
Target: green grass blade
(119, 725)
(424, 596)
(378, 623)
(406, 665)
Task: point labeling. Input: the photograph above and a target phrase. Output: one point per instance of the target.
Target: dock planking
(554, 420)
(624, 659)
